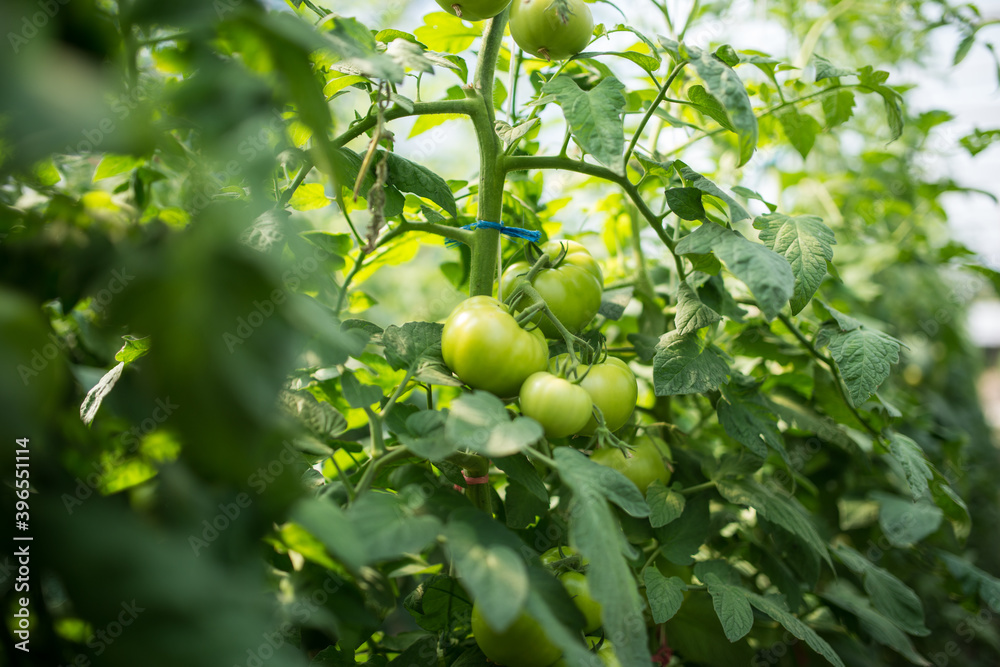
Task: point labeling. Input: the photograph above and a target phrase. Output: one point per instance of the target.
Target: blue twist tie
(512, 232)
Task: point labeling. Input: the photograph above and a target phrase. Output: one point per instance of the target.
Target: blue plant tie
(512, 232)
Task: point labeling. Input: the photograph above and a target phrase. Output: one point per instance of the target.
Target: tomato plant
(264, 408)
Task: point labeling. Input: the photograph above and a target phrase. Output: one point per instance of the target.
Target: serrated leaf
(665, 504)
(309, 197)
(359, 395)
(520, 470)
(355, 44)
(800, 129)
(408, 176)
(827, 70)
(613, 485)
(806, 243)
(888, 594)
(915, 465)
(425, 435)
(692, 314)
(777, 508)
(905, 523)
(686, 203)
(875, 82)
(732, 608)
(696, 180)
(877, 626)
(865, 358)
(321, 419)
(725, 85)
(133, 348)
(838, 107)
(400, 532)
(748, 419)
(615, 301)
(407, 346)
(480, 422)
(594, 116)
(684, 364)
(665, 594)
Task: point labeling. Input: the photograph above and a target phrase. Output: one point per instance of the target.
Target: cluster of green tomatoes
(549, 29)
(502, 347)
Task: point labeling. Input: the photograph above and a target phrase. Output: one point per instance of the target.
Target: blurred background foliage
(145, 149)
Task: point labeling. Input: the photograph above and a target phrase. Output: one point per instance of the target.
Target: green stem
(286, 196)
(535, 454)
(377, 464)
(387, 408)
(358, 263)
(652, 109)
(698, 488)
(351, 493)
(464, 107)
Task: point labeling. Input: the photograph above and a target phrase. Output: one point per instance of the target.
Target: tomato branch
(652, 108)
(465, 107)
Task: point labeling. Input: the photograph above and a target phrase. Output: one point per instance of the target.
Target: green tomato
(483, 344)
(572, 289)
(644, 467)
(611, 386)
(474, 10)
(523, 644)
(576, 586)
(551, 557)
(607, 655)
(538, 28)
(561, 407)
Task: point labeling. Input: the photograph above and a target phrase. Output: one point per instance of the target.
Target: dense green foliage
(201, 205)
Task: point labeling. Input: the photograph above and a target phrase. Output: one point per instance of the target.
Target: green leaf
(133, 348)
(725, 85)
(777, 508)
(492, 571)
(359, 395)
(795, 626)
(905, 523)
(408, 176)
(888, 594)
(511, 135)
(614, 486)
(320, 418)
(838, 107)
(309, 197)
(686, 203)
(827, 70)
(748, 418)
(407, 346)
(732, 607)
(766, 273)
(877, 626)
(979, 140)
(355, 45)
(400, 532)
(113, 165)
(692, 314)
(963, 48)
(615, 301)
(685, 364)
(597, 535)
(520, 470)
(801, 130)
(328, 523)
(806, 243)
(425, 436)
(665, 505)
(645, 61)
(682, 538)
(480, 422)
(709, 106)
(448, 33)
(874, 81)
(915, 465)
(696, 180)
(594, 116)
(665, 594)
(865, 358)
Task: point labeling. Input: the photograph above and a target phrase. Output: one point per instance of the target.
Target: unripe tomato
(644, 467)
(561, 407)
(576, 586)
(607, 655)
(483, 344)
(538, 28)
(523, 644)
(474, 10)
(556, 554)
(572, 289)
(611, 386)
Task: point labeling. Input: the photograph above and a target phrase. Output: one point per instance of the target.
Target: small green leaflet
(684, 364)
(905, 522)
(511, 135)
(133, 348)
(594, 116)
(359, 395)
(864, 357)
(765, 272)
(747, 418)
(696, 180)
(682, 538)
(915, 465)
(424, 435)
(889, 595)
(665, 504)
(400, 532)
(665, 594)
(874, 80)
(113, 165)
(731, 606)
(772, 608)
(827, 70)
(686, 203)
(725, 85)
(320, 418)
(877, 626)
(409, 176)
(309, 197)
(801, 129)
(806, 243)
(328, 523)
(480, 422)
(692, 314)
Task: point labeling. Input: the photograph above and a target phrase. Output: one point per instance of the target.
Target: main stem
(491, 179)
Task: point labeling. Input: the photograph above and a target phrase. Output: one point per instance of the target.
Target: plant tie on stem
(512, 232)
